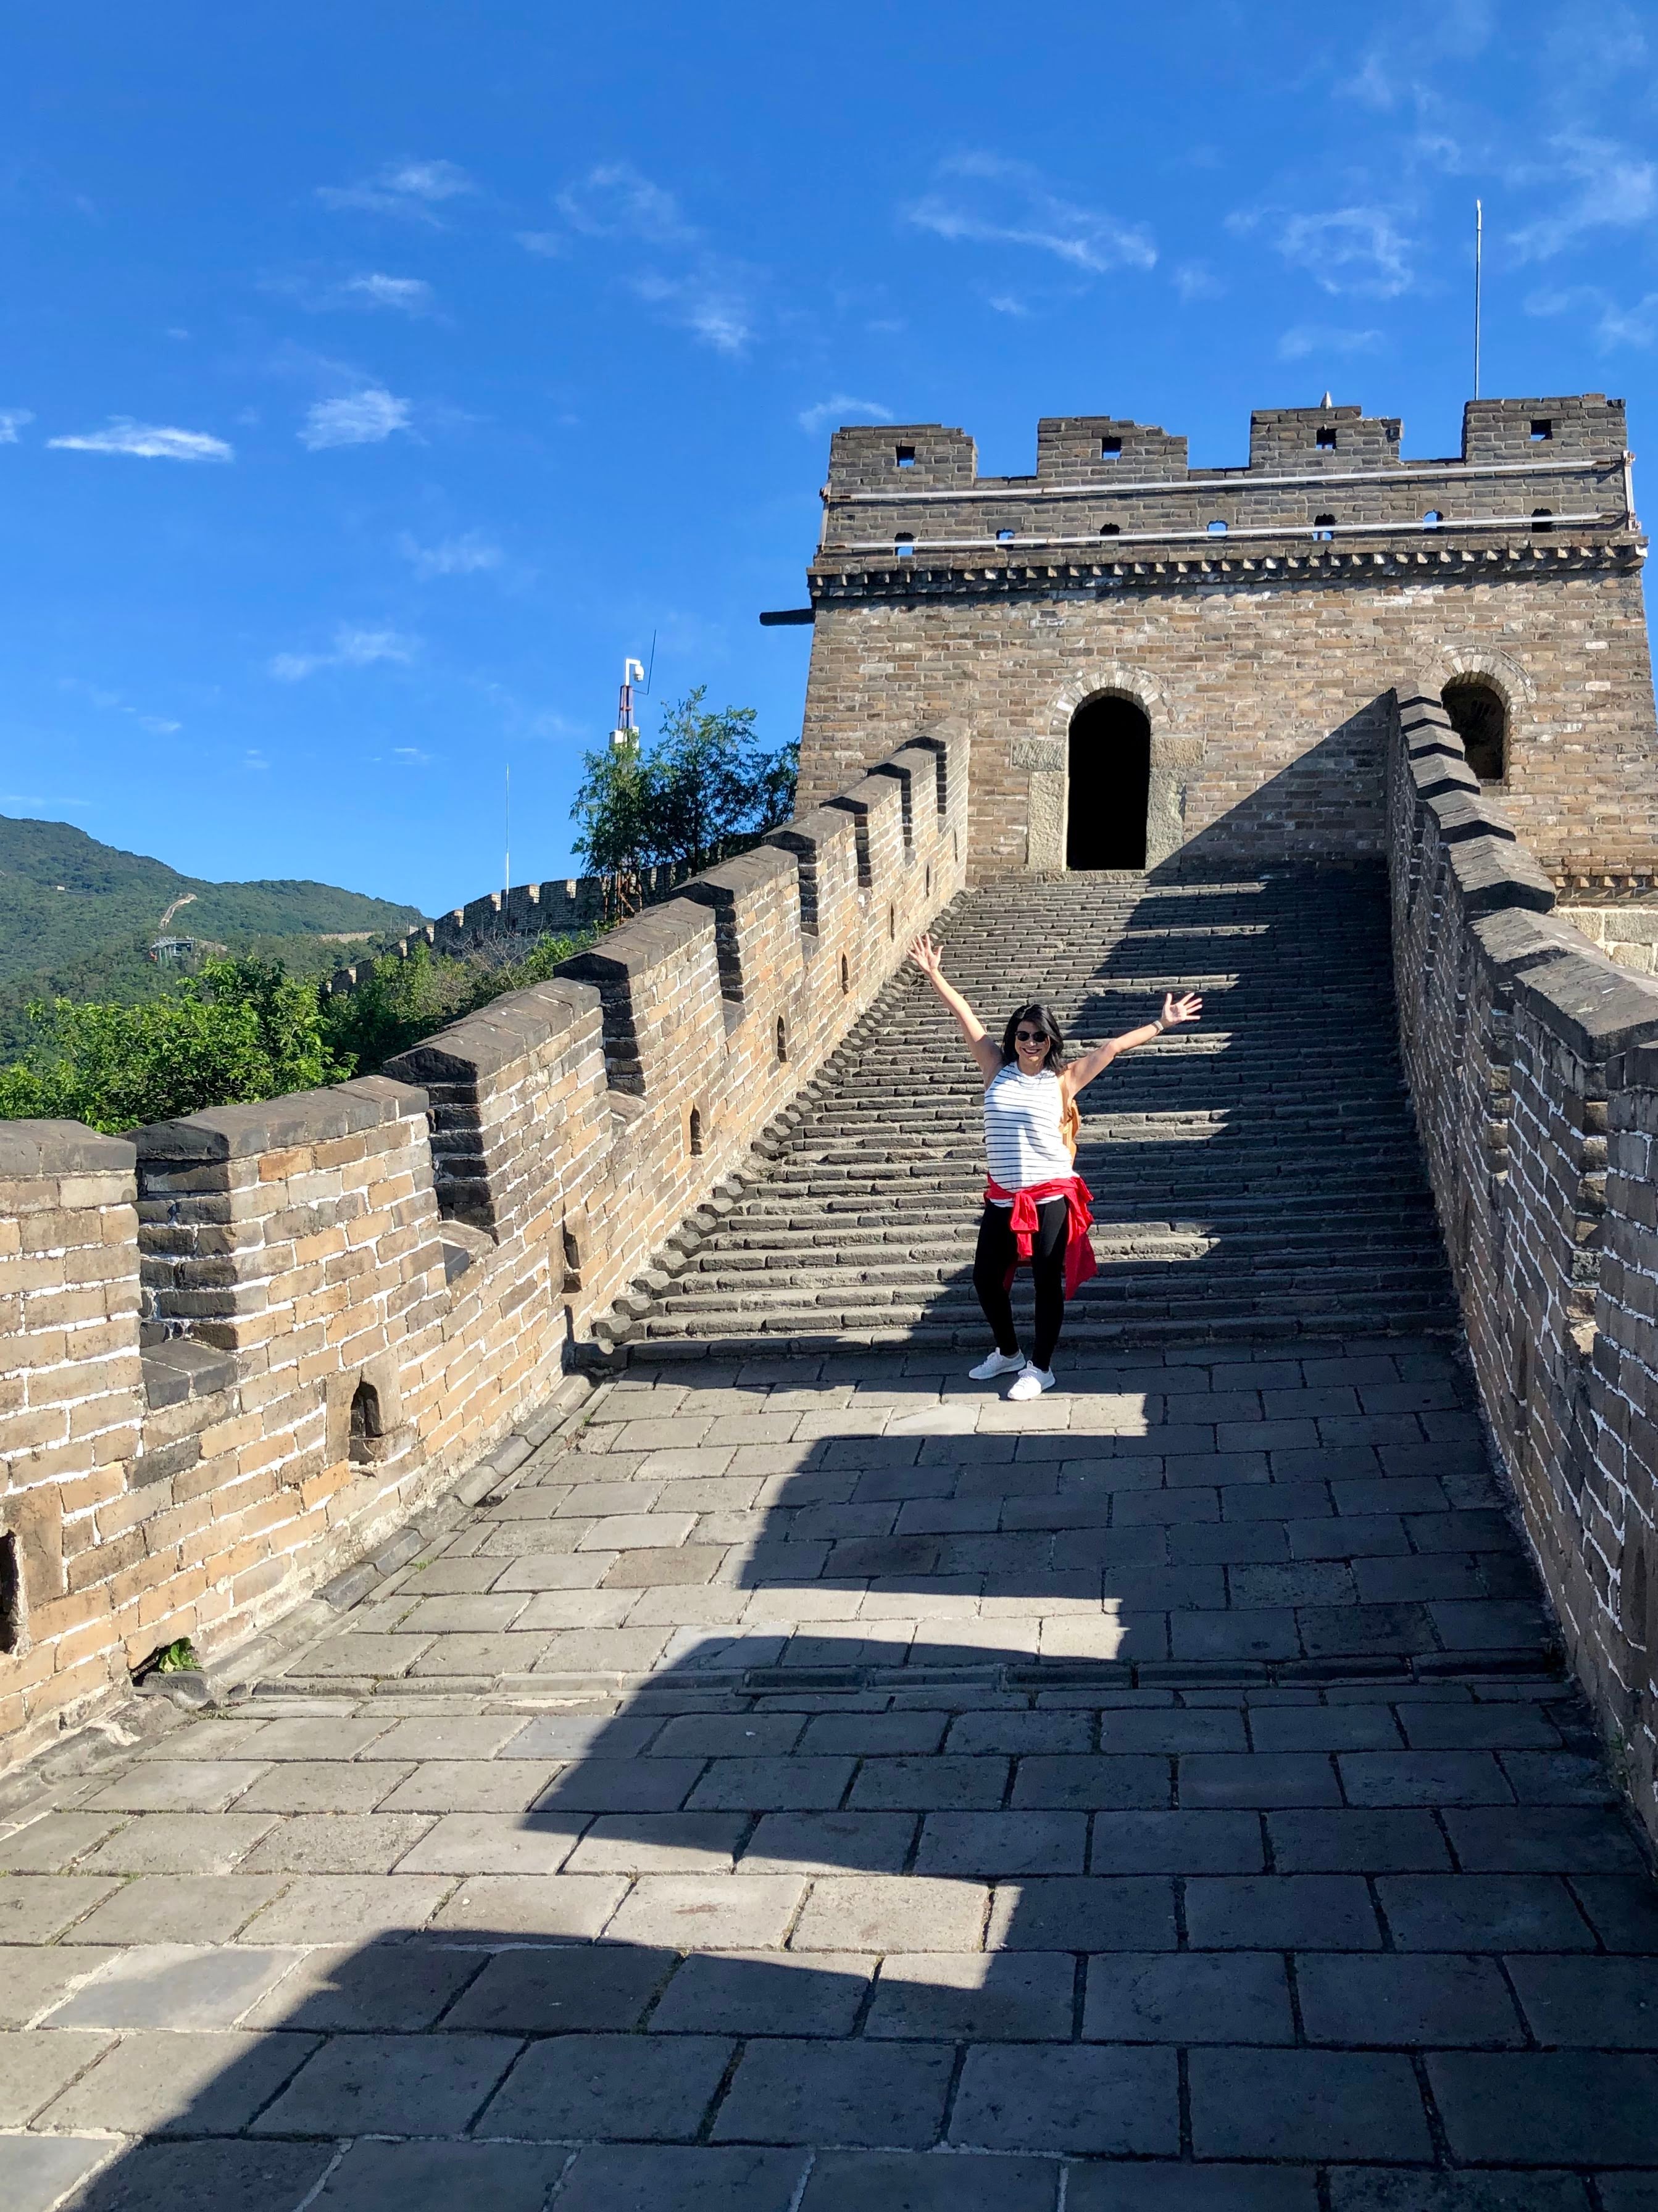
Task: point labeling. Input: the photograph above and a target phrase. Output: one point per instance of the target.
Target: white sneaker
(1032, 1382)
(997, 1363)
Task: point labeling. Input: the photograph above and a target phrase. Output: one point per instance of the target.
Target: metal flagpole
(506, 855)
(1478, 243)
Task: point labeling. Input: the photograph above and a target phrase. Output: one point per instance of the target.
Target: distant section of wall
(511, 920)
(239, 1348)
(1532, 1061)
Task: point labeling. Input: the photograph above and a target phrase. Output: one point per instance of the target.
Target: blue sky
(376, 378)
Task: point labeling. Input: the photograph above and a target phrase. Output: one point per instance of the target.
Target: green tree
(705, 791)
(401, 1001)
(241, 1030)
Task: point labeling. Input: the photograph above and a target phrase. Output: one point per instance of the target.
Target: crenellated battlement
(912, 490)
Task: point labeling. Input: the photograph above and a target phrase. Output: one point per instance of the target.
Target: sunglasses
(1032, 1036)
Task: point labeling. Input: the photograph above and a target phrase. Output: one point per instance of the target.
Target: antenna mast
(626, 733)
(506, 853)
(1478, 244)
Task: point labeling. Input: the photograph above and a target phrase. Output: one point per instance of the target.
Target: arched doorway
(1109, 766)
(1481, 719)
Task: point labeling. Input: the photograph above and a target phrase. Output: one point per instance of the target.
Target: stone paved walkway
(828, 1788)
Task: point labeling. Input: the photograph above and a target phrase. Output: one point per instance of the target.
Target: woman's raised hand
(927, 957)
(1185, 1008)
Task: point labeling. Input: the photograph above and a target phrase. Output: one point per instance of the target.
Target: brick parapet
(1532, 1060)
(437, 1244)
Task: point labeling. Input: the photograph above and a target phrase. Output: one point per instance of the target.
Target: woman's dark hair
(1040, 1016)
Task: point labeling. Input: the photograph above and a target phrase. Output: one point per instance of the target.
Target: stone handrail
(1532, 1060)
(241, 1347)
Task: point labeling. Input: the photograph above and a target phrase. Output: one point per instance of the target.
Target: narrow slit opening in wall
(928, 892)
(694, 1133)
(366, 1425)
(846, 974)
(782, 1041)
(571, 1260)
(892, 921)
(11, 1595)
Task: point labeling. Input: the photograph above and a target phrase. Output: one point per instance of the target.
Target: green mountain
(78, 919)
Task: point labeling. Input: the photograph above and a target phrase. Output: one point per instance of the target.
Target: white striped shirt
(1022, 1144)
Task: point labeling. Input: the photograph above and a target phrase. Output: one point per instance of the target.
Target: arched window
(1481, 719)
(1432, 519)
(366, 1425)
(904, 548)
(1542, 518)
(782, 1040)
(1004, 536)
(1111, 529)
(1217, 528)
(1324, 526)
(694, 1133)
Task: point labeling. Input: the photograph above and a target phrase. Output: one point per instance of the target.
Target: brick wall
(1533, 1062)
(1262, 661)
(239, 1348)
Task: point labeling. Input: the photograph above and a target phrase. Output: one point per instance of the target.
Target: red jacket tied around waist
(1079, 1260)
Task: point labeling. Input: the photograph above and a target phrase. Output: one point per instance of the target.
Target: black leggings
(998, 1252)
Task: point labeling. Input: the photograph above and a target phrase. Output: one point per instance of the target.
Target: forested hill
(76, 918)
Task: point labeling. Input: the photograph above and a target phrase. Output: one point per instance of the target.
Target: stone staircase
(1257, 1176)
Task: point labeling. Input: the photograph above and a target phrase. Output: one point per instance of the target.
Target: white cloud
(1352, 250)
(996, 201)
(838, 409)
(1004, 303)
(616, 201)
(1616, 190)
(365, 417)
(111, 703)
(412, 295)
(1315, 339)
(12, 420)
(708, 296)
(1196, 279)
(410, 756)
(148, 442)
(711, 302)
(412, 189)
(1634, 325)
(352, 648)
(452, 557)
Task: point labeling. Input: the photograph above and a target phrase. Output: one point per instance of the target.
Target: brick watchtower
(1155, 660)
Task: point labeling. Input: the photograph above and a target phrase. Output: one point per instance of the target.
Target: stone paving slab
(1111, 1854)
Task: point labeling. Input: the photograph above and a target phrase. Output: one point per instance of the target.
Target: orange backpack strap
(1071, 1125)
